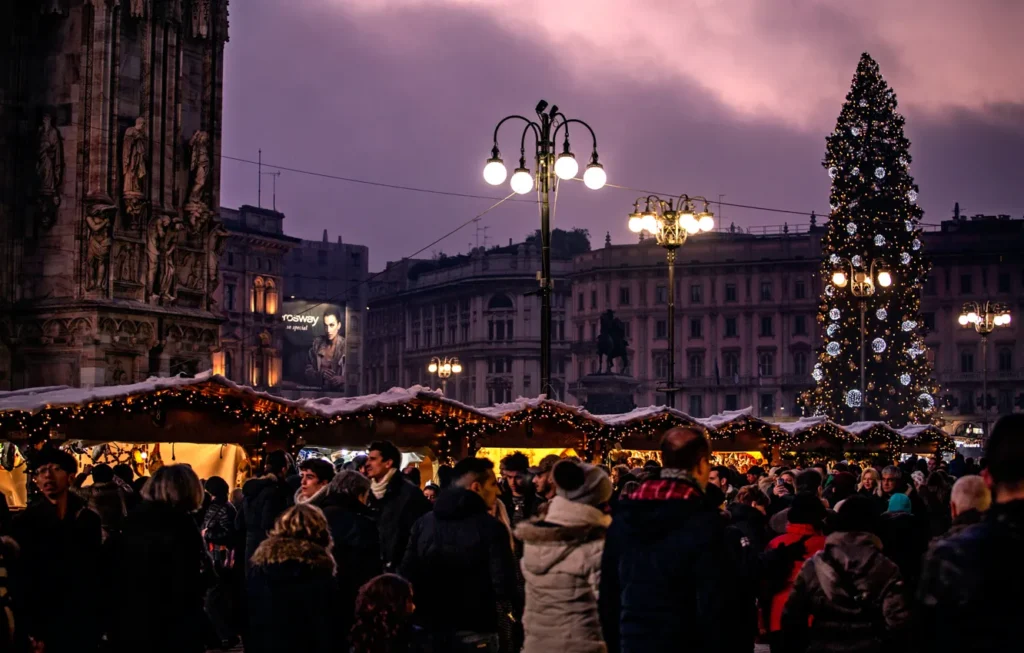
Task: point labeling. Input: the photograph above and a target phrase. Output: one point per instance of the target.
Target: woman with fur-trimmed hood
(293, 596)
(562, 563)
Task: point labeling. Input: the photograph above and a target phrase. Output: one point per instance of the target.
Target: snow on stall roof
(334, 406)
(500, 411)
(915, 430)
(36, 399)
(860, 428)
(802, 424)
(719, 420)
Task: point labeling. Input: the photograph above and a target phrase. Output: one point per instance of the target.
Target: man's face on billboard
(332, 325)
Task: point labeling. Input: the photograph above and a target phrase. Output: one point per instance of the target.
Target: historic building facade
(250, 295)
(110, 134)
(746, 309)
(334, 273)
(482, 308)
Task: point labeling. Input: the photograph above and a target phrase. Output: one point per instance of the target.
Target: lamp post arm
(565, 123)
(506, 119)
(522, 139)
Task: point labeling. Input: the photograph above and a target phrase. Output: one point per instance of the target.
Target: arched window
(500, 302)
(271, 297)
(257, 303)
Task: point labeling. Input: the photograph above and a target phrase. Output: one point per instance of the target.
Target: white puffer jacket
(562, 567)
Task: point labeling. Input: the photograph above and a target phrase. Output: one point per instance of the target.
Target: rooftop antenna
(275, 175)
(259, 181)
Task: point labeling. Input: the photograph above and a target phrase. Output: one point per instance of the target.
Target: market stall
(537, 428)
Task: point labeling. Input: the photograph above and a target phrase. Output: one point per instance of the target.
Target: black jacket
(159, 577)
(969, 597)
(460, 564)
(293, 599)
(905, 540)
(265, 498)
(219, 523)
(666, 572)
(855, 595)
(54, 568)
(356, 549)
(402, 504)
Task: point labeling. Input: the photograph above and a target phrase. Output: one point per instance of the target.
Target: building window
(579, 333)
(623, 295)
(731, 330)
(967, 402)
(800, 325)
(766, 364)
(660, 294)
(607, 294)
(929, 321)
(499, 330)
(966, 361)
(696, 327)
(696, 294)
(593, 299)
(731, 365)
(696, 366)
(660, 330)
(579, 302)
(800, 363)
(229, 296)
(696, 406)
(931, 286)
(271, 297)
(766, 291)
(426, 337)
(627, 329)
(732, 402)
(661, 366)
(730, 292)
(509, 332)
(800, 289)
(500, 302)
(768, 405)
(229, 364)
(1005, 401)
(1005, 359)
(965, 284)
(256, 300)
(766, 326)
(1004, 282)
(321, 257)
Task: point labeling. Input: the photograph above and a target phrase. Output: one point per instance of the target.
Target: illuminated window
(271, 298)
(256, 300)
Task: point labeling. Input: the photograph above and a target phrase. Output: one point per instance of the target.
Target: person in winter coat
(460, 562)
(850, 593)
(562, 563)
(905, 538)
(397, 502)
(383, 618)
(55, 534)
(161, 544)
(291, 588)
(218, 531)
(747, 514)
(665, 571)
(315, 475)
(356, 540)
(265, 498)
(968, 503)
(969, 598)
(106, 499)
(804, 524)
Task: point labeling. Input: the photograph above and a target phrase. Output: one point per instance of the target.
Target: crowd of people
(567, 556)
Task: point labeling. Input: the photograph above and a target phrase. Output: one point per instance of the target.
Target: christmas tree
(872, 269)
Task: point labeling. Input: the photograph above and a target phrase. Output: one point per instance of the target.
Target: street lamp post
(984, 318)
(671, 221)
(862, 286)
(443, 368)
(545, 134)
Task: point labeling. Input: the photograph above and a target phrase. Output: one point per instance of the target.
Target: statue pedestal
(605, 394)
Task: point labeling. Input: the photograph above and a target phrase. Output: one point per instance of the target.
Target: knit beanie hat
(899, 502)
(582, 483)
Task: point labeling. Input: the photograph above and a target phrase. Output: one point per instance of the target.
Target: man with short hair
(460, 563)
(263, 500)
(666, 571)
(60, 542)
(720, 477)
(517, 492)
(969, 597)
(315, 475)
(893, 482)
(968, 503)
(398, 502)
(542, 481)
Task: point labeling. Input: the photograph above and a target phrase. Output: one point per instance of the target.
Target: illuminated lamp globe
(689, 222)
(522, 181)
(595, 176)
(963, 320)
(432, 368)
(884, 279)
(839, 279)
(650, 223)
(972, 317)
(636, 223)
(1006, 319)
(446, 369)
(566, 166)
(495, 172)
(706, 222)
(457, 368)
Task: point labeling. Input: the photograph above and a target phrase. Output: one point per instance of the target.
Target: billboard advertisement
(314, 344)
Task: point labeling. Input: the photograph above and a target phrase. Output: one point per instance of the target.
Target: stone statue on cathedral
(98, 220)
(49, 169)
(134, 158)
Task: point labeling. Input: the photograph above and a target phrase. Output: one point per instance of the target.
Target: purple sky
(696, 96)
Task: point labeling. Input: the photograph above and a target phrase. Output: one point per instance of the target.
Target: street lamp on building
(862, 286)
(443, 368)
(984, 318)
(671, 222)
(545, 133)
